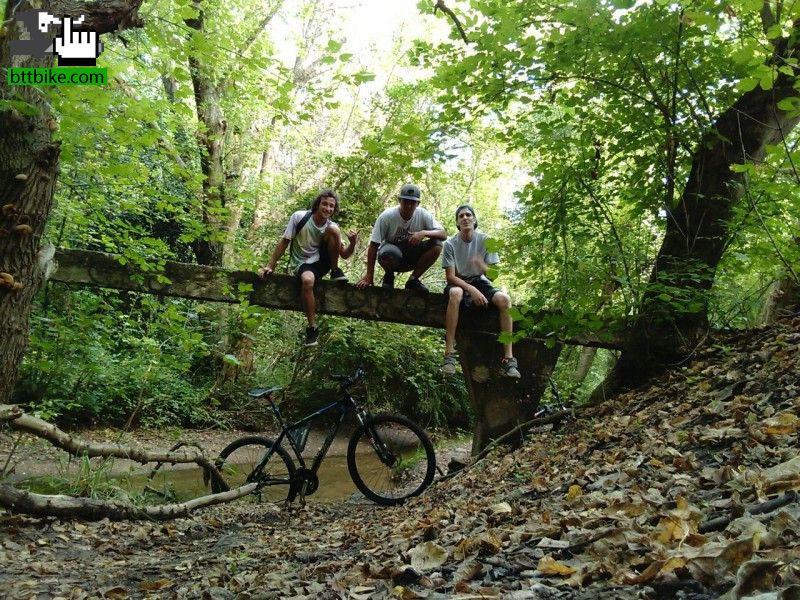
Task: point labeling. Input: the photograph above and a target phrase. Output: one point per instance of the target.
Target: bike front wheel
(239, 458)
(390, 459)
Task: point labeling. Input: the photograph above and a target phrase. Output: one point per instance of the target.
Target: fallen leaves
(427, 555)
(549, 566)
(617, 500)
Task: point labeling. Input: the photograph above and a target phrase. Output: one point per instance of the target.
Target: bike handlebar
(348, 380)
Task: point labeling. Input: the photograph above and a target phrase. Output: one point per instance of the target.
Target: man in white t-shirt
(404, 238)
(315, 250)
(465, 261)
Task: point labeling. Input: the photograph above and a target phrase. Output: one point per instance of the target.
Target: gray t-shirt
(305, 249)
(457, 253)
(391, 228)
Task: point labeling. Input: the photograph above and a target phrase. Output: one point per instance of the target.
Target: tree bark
(784, 295)
(210, 136)
(585, 362)
(499, 403)
(214, 284)
(28, 170)
(783, 300)
(697, 232)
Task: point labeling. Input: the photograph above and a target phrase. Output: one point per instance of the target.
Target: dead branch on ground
(16, 500)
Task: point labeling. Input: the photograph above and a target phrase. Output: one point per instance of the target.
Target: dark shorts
(484, 287)
(407, 254)
(319, 268)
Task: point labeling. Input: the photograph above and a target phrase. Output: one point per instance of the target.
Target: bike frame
(345, 404)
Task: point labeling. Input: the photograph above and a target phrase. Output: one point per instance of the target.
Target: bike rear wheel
(238, 459)
(390, 459)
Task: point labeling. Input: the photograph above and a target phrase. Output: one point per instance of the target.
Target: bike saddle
(261, 392)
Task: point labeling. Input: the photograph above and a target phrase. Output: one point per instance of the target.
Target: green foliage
(114, 358)
(80, 478)
(402, 365)
(606, 103)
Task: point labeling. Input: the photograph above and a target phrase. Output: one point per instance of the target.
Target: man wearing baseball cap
(405, 238)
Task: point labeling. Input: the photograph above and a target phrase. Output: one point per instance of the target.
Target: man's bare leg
(333, 241)
(307, 280)
(451, 319)
(503, 302)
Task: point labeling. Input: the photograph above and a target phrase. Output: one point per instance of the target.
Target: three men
(404, 238)
(465, 261)
(316, 245)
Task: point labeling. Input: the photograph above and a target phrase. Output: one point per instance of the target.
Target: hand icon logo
(77, 48)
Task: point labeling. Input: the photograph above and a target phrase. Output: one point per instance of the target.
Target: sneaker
(449, 364)
(415, 284)
(338, 275)
(312, 336)
(509, 368)
(388, 280)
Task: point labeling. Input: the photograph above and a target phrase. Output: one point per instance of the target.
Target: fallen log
(80, 447)
(214, 284)
(180, 454)
(67, 507)
(9, 412)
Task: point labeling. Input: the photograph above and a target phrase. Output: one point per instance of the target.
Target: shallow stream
(186, 483)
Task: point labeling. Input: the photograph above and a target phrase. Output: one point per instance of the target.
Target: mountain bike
(556, 405)
(389, 457)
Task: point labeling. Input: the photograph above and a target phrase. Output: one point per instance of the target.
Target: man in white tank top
(315, 250)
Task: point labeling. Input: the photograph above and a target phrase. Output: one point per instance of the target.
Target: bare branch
(79, 447)
(9, 412)
(102, 17)
(440, 5)
(22, 501)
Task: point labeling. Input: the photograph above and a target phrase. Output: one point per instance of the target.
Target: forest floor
(684, 489)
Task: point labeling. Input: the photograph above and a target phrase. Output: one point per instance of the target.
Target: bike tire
(411, 463)
(238, 459)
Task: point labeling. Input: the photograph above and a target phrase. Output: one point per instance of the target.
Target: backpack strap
(297, 230)
(302, 223)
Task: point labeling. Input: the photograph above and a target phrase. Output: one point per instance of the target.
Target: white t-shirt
(457, 253)
(391, 228)
(305, 248)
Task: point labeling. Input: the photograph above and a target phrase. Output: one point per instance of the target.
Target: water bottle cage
(299, 436)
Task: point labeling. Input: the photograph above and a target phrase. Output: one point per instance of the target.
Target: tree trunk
(585, 363)
(91, 509)
(210, 136)
(500, 403)
(28, 169)
(783, 300)
(208, 250)
(673, 316)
